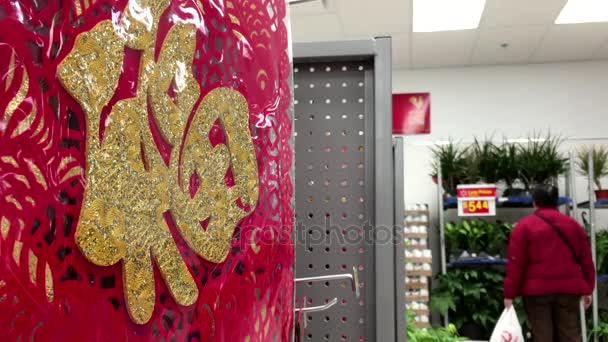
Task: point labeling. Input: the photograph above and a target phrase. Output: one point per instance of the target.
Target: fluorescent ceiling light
(583, 11)
(447, 15)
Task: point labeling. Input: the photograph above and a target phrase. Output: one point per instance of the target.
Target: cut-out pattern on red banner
(235, 271)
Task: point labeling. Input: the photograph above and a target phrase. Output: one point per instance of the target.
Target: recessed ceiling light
(447, 15)
(583, 11)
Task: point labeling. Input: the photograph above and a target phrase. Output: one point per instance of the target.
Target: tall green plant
(540, 161)
(508, 169)
(599, 155)
(453, 162)
(484, 161)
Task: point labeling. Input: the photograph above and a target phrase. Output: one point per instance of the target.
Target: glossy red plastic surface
(249, 297)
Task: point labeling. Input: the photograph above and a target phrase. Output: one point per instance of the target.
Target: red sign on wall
(412, 113)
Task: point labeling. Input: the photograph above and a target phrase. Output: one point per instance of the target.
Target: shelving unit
(592, 206)
(419, 259)
(519, 203)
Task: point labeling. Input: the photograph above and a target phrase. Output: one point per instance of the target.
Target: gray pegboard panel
(334, 195)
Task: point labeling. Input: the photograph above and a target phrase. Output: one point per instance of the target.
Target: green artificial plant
(602, 252)
(469, 296)
(599, 155)
(476, 236)
(484, 162)
(539, 160)
(453, 162)
(473, 296)
(508, 169)
(415, 334)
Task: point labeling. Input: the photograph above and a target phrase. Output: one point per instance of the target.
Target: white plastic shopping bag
(507, 329)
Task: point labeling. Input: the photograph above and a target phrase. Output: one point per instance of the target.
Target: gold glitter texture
(25, 123)
(4, 225)
(33, 262)
(11, 72)
(37, 174)
(10, 160)
(128, 192)
(48, 283)
(19, 97)
(17, 247)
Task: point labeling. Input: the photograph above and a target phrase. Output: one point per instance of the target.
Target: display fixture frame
(386, 307)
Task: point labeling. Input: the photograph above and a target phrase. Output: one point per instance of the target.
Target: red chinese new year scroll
(145, 187)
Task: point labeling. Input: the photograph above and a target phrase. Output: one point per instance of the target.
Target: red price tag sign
(477, 200)
(476, 207)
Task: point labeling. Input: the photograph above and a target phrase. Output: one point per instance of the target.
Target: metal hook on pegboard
(354, 280)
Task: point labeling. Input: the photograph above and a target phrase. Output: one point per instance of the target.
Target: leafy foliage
(470, 296)
(600, 163)
(415, 334)
(602, 252)
(539, 161)
(453, 162)
(476, 236)
(601, 331)
(536, 162)
(602, 328)
(473, 296)
(484, 161)
(508, 171)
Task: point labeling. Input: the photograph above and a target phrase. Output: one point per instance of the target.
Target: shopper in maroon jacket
(551, 267)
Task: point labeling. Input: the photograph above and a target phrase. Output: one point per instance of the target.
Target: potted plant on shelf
(484, 162)
(539, 161)
(508, 170)
(599, 155)
(453, 163)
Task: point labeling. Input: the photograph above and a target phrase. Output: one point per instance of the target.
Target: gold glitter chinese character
(130, 188)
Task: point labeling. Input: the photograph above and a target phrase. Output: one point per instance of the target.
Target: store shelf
(506, 202)
(419, 260)
(416, 223)
(477, 261)
(416, 235)
(419, 273)
(417, 247)
(416, 298)
(416, 212)
(602, 204)
(421, 312)
(416, 285)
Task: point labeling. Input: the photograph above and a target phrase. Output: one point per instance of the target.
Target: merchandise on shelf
(418, 267)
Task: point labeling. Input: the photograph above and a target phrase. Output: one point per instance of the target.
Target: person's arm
(517, 261)
(586, 260)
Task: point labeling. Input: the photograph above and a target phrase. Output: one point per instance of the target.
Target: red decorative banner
(412, 113)
(145, 187)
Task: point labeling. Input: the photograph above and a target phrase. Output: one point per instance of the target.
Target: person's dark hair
(545, 196)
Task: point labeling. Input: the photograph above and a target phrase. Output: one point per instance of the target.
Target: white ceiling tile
(509, 13)
(522, 41)
(401, 50)
(315, 28)
(443, 49)
(571, 42)
(375, 17)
